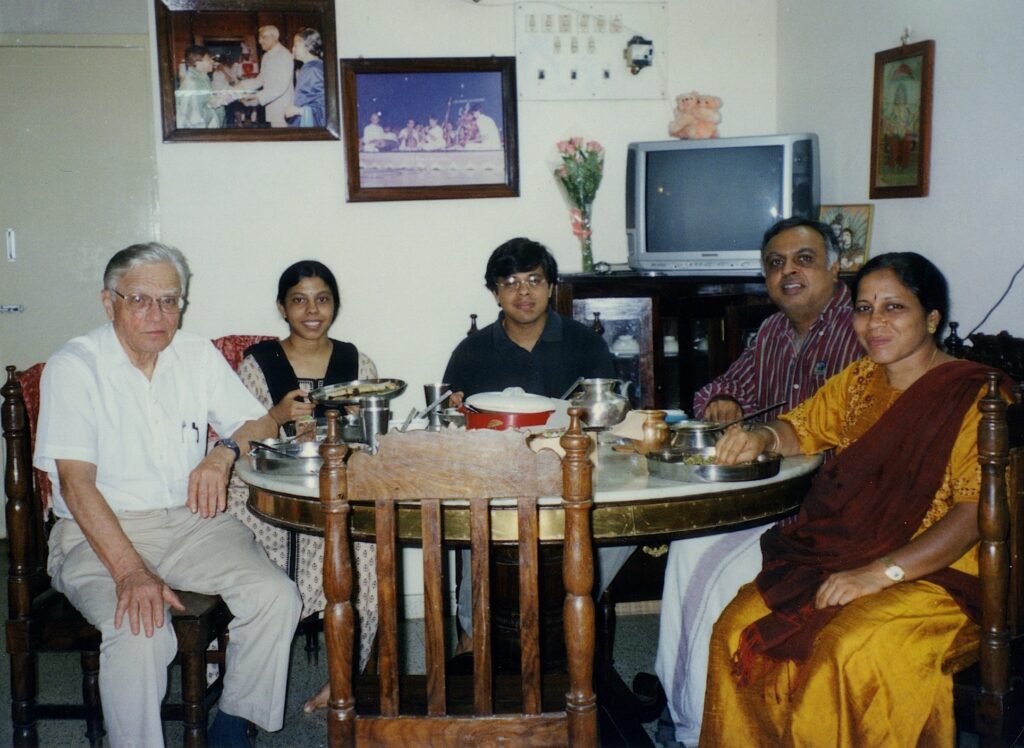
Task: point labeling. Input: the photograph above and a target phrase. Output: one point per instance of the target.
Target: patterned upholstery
(231, 347)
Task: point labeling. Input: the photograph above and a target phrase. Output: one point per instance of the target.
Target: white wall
(966, 225)
(412, 272)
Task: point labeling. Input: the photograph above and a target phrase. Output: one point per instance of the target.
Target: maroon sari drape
(867, 502)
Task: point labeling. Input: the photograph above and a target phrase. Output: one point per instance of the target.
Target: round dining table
(631, 507)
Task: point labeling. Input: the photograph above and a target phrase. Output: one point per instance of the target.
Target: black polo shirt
(487, 361)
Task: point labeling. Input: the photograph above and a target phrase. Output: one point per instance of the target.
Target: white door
(77, 181)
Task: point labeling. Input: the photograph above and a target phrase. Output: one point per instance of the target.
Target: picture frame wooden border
(857, 220)
(901, 136)
(170, 14)
(362, 189)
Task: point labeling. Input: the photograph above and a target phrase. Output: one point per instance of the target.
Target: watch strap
(230, 444)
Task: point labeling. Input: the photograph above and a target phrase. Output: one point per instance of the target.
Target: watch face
(894, 572)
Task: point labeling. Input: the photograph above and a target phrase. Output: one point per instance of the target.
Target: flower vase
(586, 245)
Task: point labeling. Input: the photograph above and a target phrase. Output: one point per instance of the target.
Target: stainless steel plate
(304, 460)
(350, 393)
(672, 464)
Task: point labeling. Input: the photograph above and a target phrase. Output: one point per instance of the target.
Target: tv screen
(685, 188)
(702, 206)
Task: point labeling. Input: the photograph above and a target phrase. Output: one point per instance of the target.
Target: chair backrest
(1001, 550)
(431, 470)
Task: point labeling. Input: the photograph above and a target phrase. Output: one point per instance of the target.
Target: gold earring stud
(931, 329)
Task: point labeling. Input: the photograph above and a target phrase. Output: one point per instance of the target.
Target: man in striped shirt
(795, 351)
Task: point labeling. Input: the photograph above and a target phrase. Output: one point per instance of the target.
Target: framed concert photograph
(851, 225)
(901, 122)
(247, 70)
(430, 129)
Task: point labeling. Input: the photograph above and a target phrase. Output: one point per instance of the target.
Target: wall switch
(12, 250)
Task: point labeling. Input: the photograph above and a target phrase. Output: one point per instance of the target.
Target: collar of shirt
(552, 332)
(840, 303)
(112, 350)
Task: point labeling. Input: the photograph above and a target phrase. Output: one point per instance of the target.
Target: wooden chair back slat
(529, 604)
(433, 606)
(474, 467)
(387, 606)
(480, 562)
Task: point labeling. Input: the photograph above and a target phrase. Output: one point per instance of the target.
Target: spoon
(407, 421)
(747, 417)
(260, 445)
(430, 408)
(573, 386)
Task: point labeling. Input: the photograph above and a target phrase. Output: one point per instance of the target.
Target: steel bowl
(453, 417)
(695, 434)
(289, 457)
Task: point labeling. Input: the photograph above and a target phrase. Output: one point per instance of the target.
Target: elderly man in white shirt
(122, 430)
(275, 83)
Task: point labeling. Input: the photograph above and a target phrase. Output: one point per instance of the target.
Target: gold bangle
(775, 438)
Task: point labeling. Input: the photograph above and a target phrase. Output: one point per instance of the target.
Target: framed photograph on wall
(901, 122)
(429, 129)
(851, 225)
(247, 69)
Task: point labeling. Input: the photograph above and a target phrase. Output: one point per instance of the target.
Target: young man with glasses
(529, 345)
(140, 502)
(533, 347)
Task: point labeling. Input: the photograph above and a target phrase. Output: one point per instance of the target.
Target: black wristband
(230, 444)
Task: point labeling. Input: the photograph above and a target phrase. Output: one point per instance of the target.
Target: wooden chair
(426, 471)
(40, 619)
(989, 681)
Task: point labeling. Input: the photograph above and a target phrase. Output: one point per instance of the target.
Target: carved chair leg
(23, 700)
(193, 692)
(91, 698)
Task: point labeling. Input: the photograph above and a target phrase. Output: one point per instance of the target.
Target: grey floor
(59, 679)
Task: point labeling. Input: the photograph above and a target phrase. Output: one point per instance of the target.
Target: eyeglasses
(532, 282)
(139, 303)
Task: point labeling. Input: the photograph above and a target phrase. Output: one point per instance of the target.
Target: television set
(701, 207)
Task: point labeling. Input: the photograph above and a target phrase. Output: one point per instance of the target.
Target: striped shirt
(776, 367)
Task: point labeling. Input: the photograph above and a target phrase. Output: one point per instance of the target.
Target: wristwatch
(892, 569)
(230, 444)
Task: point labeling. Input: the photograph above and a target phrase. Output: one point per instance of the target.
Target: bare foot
(465, 644)
(319, 701)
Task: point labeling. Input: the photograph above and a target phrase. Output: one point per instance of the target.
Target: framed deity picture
(901, 122)
(851, 225)
(429, 129)
(247, 69)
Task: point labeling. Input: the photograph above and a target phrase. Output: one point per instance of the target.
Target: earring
(931, 329)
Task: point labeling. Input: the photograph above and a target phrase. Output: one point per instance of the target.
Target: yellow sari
(875, 673)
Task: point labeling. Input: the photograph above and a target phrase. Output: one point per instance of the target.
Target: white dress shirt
(143, 435)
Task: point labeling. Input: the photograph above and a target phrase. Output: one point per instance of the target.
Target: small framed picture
(901, 123)
(430, 129)
(851, 225)
(247, 69)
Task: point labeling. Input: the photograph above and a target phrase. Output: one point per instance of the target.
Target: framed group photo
(247, 69)
(851, 225)
(901, 123)
(431, 128)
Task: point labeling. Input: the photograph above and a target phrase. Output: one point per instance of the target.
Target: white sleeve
(230, 403)
(66, 428)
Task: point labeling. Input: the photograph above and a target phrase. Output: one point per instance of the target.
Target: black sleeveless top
(281, 379)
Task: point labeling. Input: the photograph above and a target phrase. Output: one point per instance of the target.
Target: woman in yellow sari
(840, 640)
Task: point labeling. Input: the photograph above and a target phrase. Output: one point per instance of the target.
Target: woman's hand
(739, 445)
(846, 586)
(293, 405)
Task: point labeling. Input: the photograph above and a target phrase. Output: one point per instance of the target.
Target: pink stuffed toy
(696, 116)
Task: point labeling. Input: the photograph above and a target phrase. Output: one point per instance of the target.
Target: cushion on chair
(232, 347)
(29, 381)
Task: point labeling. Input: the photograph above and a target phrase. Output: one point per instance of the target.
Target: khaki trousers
(211, 556)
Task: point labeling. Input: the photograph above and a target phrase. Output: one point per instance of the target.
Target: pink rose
(564, 147)
(595, 147)
(576, 142)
